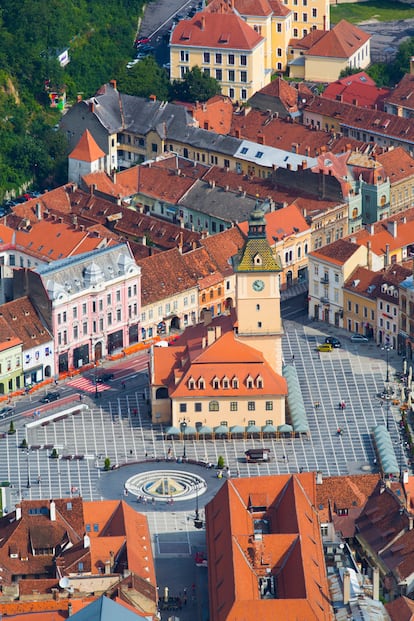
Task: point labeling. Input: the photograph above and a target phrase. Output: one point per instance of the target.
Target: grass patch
(382, 10)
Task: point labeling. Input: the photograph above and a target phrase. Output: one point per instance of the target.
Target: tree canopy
(195, 86)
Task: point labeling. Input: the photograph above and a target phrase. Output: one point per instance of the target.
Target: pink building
(90, 303)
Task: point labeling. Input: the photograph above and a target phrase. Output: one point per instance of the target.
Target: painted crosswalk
(87, 385)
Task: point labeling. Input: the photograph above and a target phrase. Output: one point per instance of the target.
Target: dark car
(53, 395)
(332, 340)
(257, 455)
(105, 377)
(8, 410)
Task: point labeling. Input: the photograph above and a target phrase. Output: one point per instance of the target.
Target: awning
(172, 431)
(204, 430)
(285, 428)
(221, 429)
(269, 429)
(189, 431)
(237, 429)
(253, 429)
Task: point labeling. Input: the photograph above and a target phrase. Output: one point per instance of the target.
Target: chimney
(180, 242)
(237, 133)
(153, 98)
(112, 560)
(355, 102)
(113, 84)
(218, 332)
(203, 22)
(375, 584)
(18, 513)
(319, 477)
(114, 176)
(107, 567)
(91, 107)
(294, 147)
(410, 522)
(211, 336)
(304, 164)
(347, 587)
(74, 219)
(260, 138)
(52, 511)
(369, 255)
(203, 342)
(38, 211)
(392, 228)
(86, 541)
(69, 609)
(387, 255)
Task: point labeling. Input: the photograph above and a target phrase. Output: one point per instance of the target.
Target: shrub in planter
(23, 443)
(220, 462)
(107, 464)
(11, 428)
(54, 454)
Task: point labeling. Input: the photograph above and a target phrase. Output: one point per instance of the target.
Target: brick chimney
(203, 22)
(113, 84)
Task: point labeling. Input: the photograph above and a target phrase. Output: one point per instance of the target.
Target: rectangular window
(269, 405)
(314, 12)
(94, 306)
(85, 328)
(233, 406)
(197, 407)
(118, 295)
(96, 528)
(243, 94)
(75, 332)
(243, 60)
(109, 299)
(184, 56)
(304, 17)
(251, 406)
(218, 59)
(118, 314)
(183, 407)
(231, 75)
(243, 76)
(75, 312)
(231, 59)
(219, 74)
(84, 311)
(206, 57)
(279, 27)
(109, 319)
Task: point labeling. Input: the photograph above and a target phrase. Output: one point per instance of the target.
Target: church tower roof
(257, 255)
(87, 150)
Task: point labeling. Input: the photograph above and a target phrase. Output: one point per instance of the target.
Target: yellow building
(225, 48)
(225, 374)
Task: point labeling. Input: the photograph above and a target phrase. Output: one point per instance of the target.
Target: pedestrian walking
(293, 358)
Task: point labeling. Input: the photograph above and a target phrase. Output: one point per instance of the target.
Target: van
(257, 455)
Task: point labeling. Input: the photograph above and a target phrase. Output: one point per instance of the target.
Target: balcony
(325, 279)
(324, 300)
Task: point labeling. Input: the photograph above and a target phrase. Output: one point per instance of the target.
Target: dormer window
(249, 382)
(235, 382)
(201, 384)
(225, 382)
(216, 383)
(191, 384)
(258, 260)
(259, 382)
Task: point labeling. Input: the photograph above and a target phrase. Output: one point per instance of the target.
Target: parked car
(325, 347)
(105, 377)
(257, 455)
(333, 341)
(53, 395)
(359, 338)
(133, 62)
(8, 410)
(141, 41)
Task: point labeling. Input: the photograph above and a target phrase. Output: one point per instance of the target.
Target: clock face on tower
(258, 285)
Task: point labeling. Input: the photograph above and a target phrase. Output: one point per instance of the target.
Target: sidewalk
(293, 291)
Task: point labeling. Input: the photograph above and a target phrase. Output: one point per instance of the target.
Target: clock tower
(258, 294)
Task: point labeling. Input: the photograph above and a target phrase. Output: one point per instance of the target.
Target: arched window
(213, 406)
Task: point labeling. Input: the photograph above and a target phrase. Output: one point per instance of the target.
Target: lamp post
(184, 427)
(28, 484)
(387, 348)
(198, 523)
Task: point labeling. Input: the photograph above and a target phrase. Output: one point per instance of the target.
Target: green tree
(195, 86)
(54, 454)
(12, 430)
(144, 79)
(220, 462)
(107, 464)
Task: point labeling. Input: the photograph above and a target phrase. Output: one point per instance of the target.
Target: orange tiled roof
(397, 163)
(22, 317)
(290, 550)
(215, 30)
(8, 338)
(401, 609)
(338, 252)
(215, 114)
(401, 95)
(341, 42)
(87, 150)
(358, 89)
(380, 235)
(281, 224)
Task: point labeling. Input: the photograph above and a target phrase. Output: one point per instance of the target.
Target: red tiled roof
(397, 163)
(87, 150)
(215, 114)
(215, 30)
(401, 609)
(281, 224)
(360, 93)
(341, 42)
(380, 234)
(338, 252)
(291, 548)
(22, 317)
(402, 94)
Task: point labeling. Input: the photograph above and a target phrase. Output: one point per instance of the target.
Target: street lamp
(387, 348)
(28, 484)
(183, 428)
(198, 523)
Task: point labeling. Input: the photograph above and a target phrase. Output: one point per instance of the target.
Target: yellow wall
(321, 69)
(187, 57)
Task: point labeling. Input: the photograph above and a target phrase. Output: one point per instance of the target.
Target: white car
(359, 338)
(132, 63)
